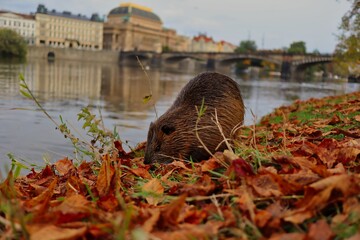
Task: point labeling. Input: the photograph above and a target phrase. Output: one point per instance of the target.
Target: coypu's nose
(147, 160)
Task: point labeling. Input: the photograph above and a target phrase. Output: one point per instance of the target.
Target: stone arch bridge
(289, 65)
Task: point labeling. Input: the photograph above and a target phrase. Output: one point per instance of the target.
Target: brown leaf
(41, 201)
(155, 190)
(209, 165)
(319, 230)
(264, 185)
(108, 203)
(244, 200)
(6, 187)
(239, 168)
(141, 172)
(188, 231)
(270, 184)
(203, 187)
(46, 232)
(303, 177)
(319, 194)
(355, 237)
(74, 204)
(170, 213)
(107, 171)
(287, 236)
(270, 217)
(64, 166)
(150, 223)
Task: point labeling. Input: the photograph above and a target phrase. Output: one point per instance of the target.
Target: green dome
(131, 10)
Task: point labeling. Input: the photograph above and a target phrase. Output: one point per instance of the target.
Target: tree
(347, 52)
(297, 48)
(12, 44)
(247, 46)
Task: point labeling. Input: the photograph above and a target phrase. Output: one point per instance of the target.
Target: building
(64, 29)
(224, 46)
(203, 43)
(131, 27)
(23, 24)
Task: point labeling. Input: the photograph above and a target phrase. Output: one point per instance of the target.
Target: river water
(64, 87)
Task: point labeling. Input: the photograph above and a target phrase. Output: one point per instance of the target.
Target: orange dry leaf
(64, 166)
(141, 172)
(46, 232)
(155, 190)
(320, 230)
(108, 203)
(40, 202)
(319, 194)
(170, 213)
(150, 223)
(107, 171)
(188, 231)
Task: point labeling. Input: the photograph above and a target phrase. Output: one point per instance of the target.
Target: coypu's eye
(157, 148)
(167, 129)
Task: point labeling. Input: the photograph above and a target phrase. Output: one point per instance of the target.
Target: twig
(222, 132)
(198, 136)
(254, 130)
(202, 198)
(216, 203)
(149, 82)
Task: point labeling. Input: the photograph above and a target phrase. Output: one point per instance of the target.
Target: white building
(21, 23)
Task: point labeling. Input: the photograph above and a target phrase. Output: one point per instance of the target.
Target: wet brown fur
(173, 135)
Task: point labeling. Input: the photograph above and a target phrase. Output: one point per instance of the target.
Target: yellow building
(131, 27)
(63, 29)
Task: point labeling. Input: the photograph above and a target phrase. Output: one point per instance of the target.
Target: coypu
(173, 134)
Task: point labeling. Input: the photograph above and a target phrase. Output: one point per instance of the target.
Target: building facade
(203, 43)
(23, 24)
(131, 27)
(224, 46)
(64, 29)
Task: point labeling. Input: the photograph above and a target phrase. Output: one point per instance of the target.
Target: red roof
(203, 37)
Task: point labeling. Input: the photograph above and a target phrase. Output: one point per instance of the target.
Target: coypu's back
(175, 135)
(210, 86)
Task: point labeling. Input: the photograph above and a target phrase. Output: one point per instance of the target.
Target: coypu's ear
(167, 129)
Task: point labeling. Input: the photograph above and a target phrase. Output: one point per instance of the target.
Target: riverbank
(52, 54)
(293, 176)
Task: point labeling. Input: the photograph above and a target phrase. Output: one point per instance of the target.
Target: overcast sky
(270, 23)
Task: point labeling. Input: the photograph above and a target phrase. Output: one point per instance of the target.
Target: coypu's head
(158, 143)
(169, 138)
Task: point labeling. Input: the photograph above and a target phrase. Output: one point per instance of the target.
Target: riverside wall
(73, 54)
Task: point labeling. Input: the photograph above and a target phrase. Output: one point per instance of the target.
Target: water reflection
(65, 86)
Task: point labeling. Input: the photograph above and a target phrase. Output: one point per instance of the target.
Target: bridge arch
(136, 55)
(302, 65)
(254, 60)
(175, 59)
